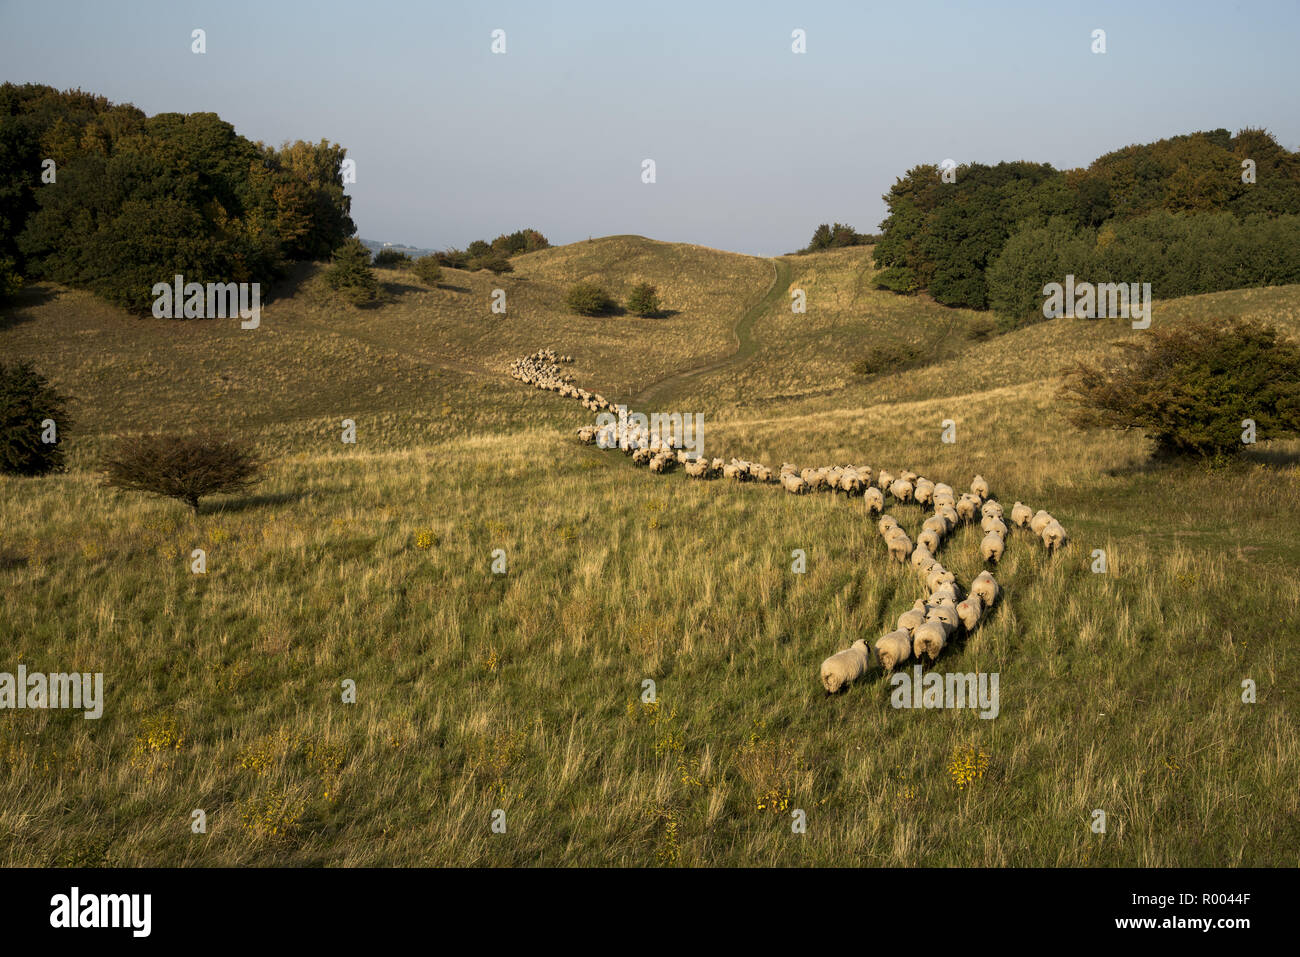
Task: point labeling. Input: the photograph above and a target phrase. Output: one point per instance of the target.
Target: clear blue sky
(754, 145)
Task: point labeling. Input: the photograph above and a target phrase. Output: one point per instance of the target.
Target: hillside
(522, 692)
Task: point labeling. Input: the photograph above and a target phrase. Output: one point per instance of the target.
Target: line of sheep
(925, 629)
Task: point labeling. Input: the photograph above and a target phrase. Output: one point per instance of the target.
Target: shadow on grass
(246, 502)
(27, 298)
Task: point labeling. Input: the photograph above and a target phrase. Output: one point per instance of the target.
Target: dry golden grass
(522, 692)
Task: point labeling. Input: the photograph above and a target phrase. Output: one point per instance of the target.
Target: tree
(186, 468)
(428, 269)
(644, 300)
(351, 274)
(391, 258)
(27, 400)
(589, 299)
(1191, 386)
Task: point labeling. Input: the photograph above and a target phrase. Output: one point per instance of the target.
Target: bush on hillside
(26, 401)
(351, 275)
(391, 259)
(493, 262)
(888, 357)
(589, 299)
(1190, 385)
(183, 467)
(644, 300)
(428, 270)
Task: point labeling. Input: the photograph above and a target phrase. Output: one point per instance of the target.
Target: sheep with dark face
(842, 669)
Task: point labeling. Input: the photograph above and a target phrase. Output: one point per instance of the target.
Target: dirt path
(745, 343)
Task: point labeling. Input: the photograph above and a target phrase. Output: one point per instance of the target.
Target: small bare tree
(184, 467)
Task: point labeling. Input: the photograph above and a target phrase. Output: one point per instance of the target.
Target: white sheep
(909, 619)
(922, 553)
(884, 479)
(1054, 535)
(949, 514)
(992, 546)
(894, 649)
(1021, 514)
(991, 507)
(966, 506)
(979, 487)
(852, 482)
(929, 539)
(1039, 522)
(969, 611)
(900, 546)
(874, 500)
(887, 524)
(986, 588)
(930, 638)
(842, 669)
(937, 575)
(901, 489)
(793, 483)
(992, 523)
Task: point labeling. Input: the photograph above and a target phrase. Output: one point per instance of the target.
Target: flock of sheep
(927, 627)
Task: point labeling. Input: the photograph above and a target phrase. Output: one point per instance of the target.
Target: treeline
(834, 236)
(950, 238)
(495, 255)
(131, 200)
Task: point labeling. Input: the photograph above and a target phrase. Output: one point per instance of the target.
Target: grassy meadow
(522, 692)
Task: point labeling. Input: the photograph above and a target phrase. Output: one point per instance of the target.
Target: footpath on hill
(745, 343)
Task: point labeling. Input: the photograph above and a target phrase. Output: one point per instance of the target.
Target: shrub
(644, 300)
(351, 274)
(428, 270)
(890, 357)
(494, 262)
(1189, 386)
(27, 400)
(391, 259)
(182, 467)
(981, 329)
(10, 280)
(588, 299)
(898, 279)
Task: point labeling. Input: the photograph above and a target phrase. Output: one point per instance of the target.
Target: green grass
(521, 692)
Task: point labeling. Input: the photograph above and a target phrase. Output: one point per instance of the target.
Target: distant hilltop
(375, 246)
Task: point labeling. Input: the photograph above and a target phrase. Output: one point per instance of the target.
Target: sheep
(923, 491)
(1054, 535)
(929, 639)
(733, 471)
(966, 507)
(887, 524)
(900, 546)
(851, 482)
(816, 478)
(991, 523)
(894, 649)
(663, 462)
(909, 619)
(793, 483)
(949, 514)
(1021, 514)
(937, 575)
(884, 479)
(901, 490)
(642, 456)
(909, 476)
(761, 473)
(874, 500)
(986, 588)
(842, 669)
(1039, 522)
(969, 612)
(698, 468)
(979, 487)
(922, 553)
(937, 524)
(991, 507)
(944, 489)
(946, 590)
(929, 540)
(992, 546)
(943, 611)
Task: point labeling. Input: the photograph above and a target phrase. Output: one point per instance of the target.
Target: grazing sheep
(991, 507)
(923, 491)
(937, 524)
(793, 483)
(950, 591)
(842, 669)
(875, 501)
(901, 490)
(929, 540)
(922, 553)
(733, 471)
(852, 482)
(986, 588)
(979, 487)
(1021, 514)
(886, 524)
(900, 546)
(816, 478)
(991, 523)
(937, 575)
(991, 547)
(930, 638)
(969, 611)
(761, 473)
(697, 469)
(894, 649)
(908, 475)
(966, 506)
(1054, 535)
(1039, 522)
(884, 479)
(909, 619)
(663, 462)
(949, 514)
(642, 456)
